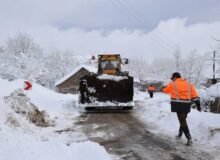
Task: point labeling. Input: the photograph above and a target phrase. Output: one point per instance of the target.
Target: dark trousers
(151, 94)
(183, 125)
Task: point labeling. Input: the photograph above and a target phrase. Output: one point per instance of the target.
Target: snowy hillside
(39, 124)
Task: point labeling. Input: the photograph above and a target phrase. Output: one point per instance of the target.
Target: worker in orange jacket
(151, 90)
(183, 94)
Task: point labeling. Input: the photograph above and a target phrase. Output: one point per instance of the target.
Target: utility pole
(214, 60)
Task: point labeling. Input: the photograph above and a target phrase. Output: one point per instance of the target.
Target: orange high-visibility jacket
(151, 89)
(181, 89)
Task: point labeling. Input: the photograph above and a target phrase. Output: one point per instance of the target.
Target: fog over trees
(22, 57)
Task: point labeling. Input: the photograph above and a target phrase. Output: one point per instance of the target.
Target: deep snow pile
(22, 116)
(204, 126)
(21, 104)
(210, 97)
(213, 91)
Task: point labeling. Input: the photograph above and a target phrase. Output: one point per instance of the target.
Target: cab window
(108, 65)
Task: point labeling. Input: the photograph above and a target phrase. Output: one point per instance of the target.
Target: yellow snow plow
(110, 88)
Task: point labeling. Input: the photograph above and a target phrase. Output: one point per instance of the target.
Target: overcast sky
(149, 28)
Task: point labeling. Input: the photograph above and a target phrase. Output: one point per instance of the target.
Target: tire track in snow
(123, 135)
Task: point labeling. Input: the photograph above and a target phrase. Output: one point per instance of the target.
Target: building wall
(71, 85)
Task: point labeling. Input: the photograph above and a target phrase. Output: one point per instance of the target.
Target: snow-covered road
(147, 132)
(126, 137)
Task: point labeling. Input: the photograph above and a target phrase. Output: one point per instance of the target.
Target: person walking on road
(151, 90)
(183, 94)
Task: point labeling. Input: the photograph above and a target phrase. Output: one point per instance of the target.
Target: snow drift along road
(21, 138)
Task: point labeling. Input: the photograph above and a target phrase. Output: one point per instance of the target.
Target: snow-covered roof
(89, 68)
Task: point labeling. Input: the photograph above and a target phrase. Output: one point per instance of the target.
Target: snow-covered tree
(191, 67)
(194, 67)
(162, 68)
(59, 63)
(139, 68)
(22, 43)
(22, 58)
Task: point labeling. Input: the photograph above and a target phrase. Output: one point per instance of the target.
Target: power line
(148, 22)
(126, 10)
(135, 15)
(116, 6)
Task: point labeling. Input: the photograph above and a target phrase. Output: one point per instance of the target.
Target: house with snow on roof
(70, 83)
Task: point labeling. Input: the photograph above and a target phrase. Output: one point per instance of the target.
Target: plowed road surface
(124, 136)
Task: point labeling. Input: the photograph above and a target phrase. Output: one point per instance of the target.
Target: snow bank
(26, 147)
(42, 97)
(210, 93)
(22, 105)
(214, 91)
(210, 97)
(204, 126)
(21, 139)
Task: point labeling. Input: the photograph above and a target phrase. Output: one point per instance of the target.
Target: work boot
(179, 136)
(189, 141)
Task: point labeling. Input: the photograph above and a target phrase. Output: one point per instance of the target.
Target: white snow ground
(21, 139)
(204, 126)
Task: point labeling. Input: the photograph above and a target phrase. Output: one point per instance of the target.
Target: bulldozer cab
(109, 64)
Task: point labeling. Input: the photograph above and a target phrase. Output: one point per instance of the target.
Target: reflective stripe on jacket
(181, 90)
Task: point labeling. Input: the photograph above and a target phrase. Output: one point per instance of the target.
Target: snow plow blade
(107, 108)
(98, 92)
